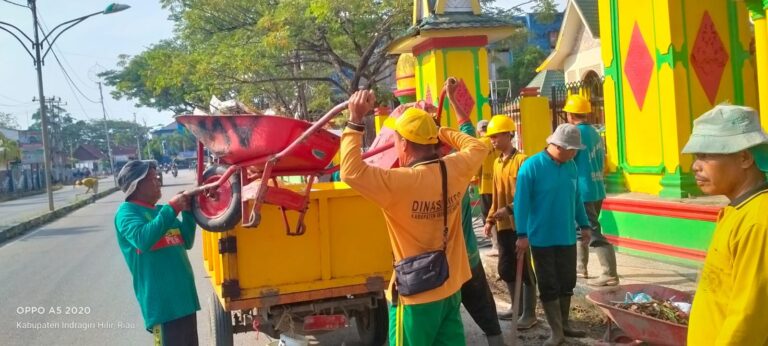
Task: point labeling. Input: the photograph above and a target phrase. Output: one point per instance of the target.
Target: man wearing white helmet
(731, 157)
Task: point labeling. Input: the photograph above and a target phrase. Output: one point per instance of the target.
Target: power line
(71, 82)
(13, 3)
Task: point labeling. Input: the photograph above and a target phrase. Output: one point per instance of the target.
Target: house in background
(577, 52)
(88, 156)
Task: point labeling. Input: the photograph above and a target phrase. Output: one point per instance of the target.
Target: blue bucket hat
(132, 173)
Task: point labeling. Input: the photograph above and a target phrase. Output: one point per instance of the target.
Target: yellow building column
(757, 10)
(462, 57)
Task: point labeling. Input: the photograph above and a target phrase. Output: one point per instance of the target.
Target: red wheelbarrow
(252, 151)
(640, 327)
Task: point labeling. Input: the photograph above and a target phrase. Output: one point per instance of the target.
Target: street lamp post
(39, 60)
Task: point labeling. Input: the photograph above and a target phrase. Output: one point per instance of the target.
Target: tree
(8, 121)
(9, 150)
(523, 68)
(296, 55)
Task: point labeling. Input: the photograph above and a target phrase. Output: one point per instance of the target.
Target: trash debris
(637, 298)
(663, 310)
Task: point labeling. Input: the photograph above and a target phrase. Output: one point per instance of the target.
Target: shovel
(518, 288)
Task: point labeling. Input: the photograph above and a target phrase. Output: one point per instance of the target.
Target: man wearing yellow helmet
(485, 180)
(590, 163)
(420, 223)
(501, 130)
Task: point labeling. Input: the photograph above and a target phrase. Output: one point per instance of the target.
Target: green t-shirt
(155, 243)
(466, 212)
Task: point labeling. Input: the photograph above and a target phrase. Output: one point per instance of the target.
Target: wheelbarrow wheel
(220, 210)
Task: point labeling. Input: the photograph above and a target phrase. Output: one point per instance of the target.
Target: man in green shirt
(155, 243)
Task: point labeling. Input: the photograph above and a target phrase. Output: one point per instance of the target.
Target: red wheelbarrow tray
(637, 326)
(251, 139)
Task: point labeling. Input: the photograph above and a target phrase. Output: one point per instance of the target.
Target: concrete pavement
(22, 209)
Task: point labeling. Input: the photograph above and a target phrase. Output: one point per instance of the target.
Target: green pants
(435, 323)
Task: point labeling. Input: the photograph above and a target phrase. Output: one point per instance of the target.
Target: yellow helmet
(415, 125)
(500, 124)
(577, 104)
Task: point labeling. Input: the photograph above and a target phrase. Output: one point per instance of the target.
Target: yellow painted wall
(535, 124)
(656, 130)
(436, 65)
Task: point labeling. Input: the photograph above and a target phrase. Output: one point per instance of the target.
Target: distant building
(578, 52)
(88, 156)
(540, 34)
(166, 130)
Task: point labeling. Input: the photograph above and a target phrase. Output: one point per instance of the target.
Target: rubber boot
(495, 340)
(555, 320)
(582, 258)
(528, 318)
(509, 314)
(565, 310)
(607, 256)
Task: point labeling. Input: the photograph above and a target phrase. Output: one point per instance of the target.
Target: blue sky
(91, 46)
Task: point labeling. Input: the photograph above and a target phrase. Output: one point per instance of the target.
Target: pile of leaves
(662, 310)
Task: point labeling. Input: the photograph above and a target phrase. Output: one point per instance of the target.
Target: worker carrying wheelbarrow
(421, 205)
(155, 243)
(731, 158)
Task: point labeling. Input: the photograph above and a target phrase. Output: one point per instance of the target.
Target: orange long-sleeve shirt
(411, 199)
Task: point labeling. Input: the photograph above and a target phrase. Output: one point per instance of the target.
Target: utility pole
(55, 145)
(106, 129)
(43, 114)
(138, 137)
(39, 58)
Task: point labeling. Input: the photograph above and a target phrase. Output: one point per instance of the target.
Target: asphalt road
(15, 211)
(67, 284)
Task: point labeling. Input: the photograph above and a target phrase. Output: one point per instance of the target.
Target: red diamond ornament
(709, 57)
(638, 67)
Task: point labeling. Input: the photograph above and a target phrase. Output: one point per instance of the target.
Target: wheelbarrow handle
(441, 99)
(366, 155)
(312, 129)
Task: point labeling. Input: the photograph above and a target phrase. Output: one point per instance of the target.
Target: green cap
(726, 129)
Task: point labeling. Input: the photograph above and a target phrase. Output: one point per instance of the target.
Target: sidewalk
(21, 215)
(19, 210)
(632, 270)
(585, 315)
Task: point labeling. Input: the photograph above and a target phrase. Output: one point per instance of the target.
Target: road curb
(24, 227)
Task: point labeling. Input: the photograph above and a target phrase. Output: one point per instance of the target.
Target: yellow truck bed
(345, 251)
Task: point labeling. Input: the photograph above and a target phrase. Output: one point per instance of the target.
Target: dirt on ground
(584, 315)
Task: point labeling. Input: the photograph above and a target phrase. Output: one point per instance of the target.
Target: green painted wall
(685, 233)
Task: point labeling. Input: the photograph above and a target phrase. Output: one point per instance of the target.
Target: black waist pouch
(421, 273)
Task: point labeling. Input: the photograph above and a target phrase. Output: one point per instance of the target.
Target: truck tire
(373, 324)
(221, 323)
(223, 214)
